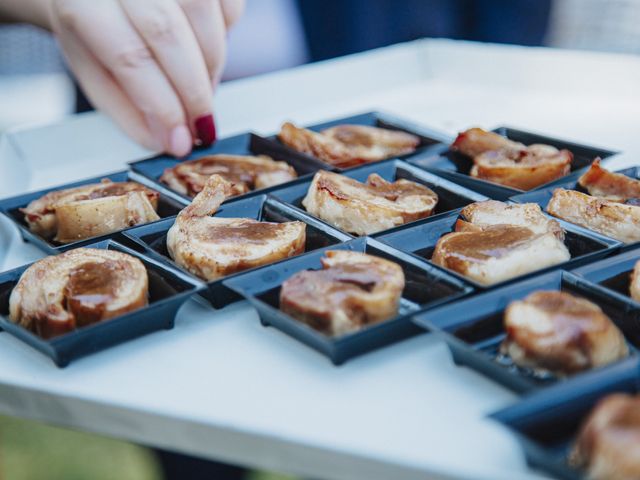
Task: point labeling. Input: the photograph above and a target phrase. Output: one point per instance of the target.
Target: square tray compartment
(547, 423)
(420, 239)
(429, 138)
(456, 166)
(426, 287)
(613, 275)
(151, 169)
(543, 196)
(168, 290)
(10, 207)
(450, 196)
(151, 239)
(473, 328)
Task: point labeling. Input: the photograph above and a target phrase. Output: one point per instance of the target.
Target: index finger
(166, 30)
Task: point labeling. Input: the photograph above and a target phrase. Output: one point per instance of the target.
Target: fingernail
(205, 130)
(180, 141)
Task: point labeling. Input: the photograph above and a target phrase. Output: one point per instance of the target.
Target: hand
(151, 65)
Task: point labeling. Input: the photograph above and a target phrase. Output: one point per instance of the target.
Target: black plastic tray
(168, 290)
(420, 239)
(543, 196)
(613, 275)
(547, 423)
(151, 169)
(152, 239)
(426, 287)
(450, 196)
(456, 166)
(10, 207)
(429, 138)
(474, 328)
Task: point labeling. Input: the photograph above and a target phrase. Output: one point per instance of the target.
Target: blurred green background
(34, 451)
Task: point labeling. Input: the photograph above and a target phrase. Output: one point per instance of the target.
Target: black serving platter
(548, 422)
(152, 239)
(428, 138)
(151, 169)
(420, 239)
(614, 275)
(450, 196)
(168, 290)
(543, 196)
(10, 207)
(426, 287)
(456, 166)
(474, 328)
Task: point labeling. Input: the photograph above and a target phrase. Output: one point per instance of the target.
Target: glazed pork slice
(351, 291)
(526, 170)
(493, 212)
(503, 161)
(634, 285)
(349, 145)
(245, 173)
(608, 444)
(476, 141)
(496, 241)
(616, 187)
(91, 210)
(497, 253)
(613, 219)
(365, 208)
(211, 247)
(60, 293)
(556, 332)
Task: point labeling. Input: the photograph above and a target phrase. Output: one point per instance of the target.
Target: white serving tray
(221, 386)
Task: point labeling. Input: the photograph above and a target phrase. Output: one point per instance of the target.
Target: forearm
(35, 12)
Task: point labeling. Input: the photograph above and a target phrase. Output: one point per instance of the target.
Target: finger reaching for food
(152, 65)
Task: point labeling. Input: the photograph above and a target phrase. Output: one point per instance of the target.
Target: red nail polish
(205, 130)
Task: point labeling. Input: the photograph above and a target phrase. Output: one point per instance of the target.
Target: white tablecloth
(220, 385)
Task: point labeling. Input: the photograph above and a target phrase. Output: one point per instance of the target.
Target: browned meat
(492, 212)
(245, 173)
(634, 286)
(91, 210)
(365, 208)
(83, 286)
(352, 290)
(537, 165)
(349, 145)
(476, 141)
(211, 247)
(497, 241)
(608, 445)
(613, 219)
(616, 187)
(553, 331)
(498, 253)
(500, 160)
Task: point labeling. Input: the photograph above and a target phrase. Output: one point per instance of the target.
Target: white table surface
(220, 385)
